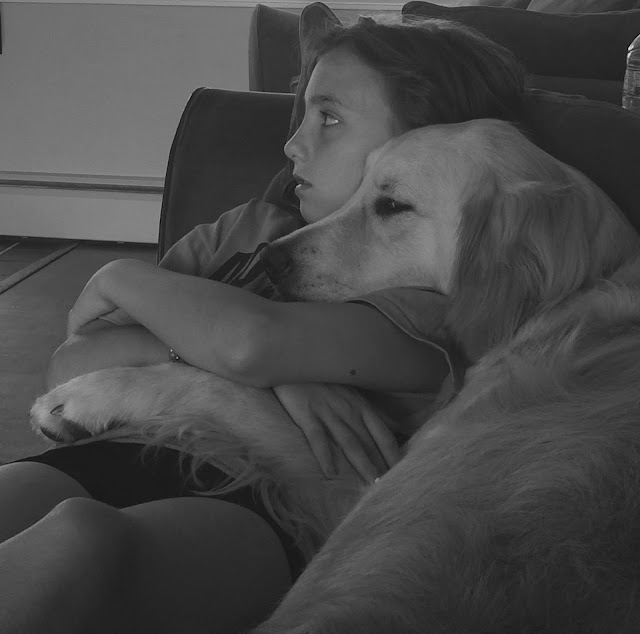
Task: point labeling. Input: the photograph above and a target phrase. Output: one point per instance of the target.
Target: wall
(89, 91)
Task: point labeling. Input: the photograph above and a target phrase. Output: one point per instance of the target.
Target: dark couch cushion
(599, 139)
(227, 147)
(591, 45)
(273, 49)
(582, 6)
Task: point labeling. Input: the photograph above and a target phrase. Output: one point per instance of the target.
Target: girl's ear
(525, 246)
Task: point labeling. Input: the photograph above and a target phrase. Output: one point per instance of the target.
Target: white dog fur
(451, 534)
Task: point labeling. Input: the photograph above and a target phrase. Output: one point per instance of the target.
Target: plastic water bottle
(631, 87)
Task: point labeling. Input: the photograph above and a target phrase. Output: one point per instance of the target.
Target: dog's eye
(385, 206)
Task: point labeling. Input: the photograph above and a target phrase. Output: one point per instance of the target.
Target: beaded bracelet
(174, 358)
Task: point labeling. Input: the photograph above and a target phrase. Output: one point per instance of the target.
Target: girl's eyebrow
(324, 100)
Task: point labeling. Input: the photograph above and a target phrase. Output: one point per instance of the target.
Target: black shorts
(120, 475)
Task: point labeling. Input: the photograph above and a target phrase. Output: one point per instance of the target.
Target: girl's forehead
(343, 79)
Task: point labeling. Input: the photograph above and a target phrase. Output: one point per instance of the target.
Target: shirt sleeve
(419, 312)
(192, 254)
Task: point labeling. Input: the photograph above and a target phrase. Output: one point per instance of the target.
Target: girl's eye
(328, 120)
(385, 206)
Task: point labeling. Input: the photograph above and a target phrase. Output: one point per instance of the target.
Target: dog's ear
(526, 245)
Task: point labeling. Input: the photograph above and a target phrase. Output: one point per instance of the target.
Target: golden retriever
(516, 509)
(508, 489)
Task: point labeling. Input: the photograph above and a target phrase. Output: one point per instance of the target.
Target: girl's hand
(92, 303)
(335, 416)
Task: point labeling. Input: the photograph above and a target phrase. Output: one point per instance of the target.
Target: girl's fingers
(373, 434)
(317, 438)
(384, 439)
(354, 451)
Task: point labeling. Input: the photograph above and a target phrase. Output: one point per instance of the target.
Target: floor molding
(83, 182)
(34, 267)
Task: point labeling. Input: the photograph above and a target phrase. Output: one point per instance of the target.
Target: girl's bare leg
(49, 581)
(28, 491)
(181, 565)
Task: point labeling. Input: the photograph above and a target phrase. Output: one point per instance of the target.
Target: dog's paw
(72, 411)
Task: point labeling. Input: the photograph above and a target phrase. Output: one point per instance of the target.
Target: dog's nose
(276, 262)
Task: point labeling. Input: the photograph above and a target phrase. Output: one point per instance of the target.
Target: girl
(98, 540)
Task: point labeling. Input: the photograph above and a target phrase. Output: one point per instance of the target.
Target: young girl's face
(348, 113)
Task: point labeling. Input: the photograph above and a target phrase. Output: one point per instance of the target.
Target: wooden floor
(33, 317)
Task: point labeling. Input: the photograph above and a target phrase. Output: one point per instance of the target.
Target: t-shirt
(229, 251)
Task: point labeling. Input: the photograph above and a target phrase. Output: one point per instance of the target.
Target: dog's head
(474, 210)
(398, 229)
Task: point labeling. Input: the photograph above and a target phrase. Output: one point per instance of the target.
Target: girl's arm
(252, 340)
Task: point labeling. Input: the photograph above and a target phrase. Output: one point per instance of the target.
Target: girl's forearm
(246, 338)
(211, 325)
(115, 346)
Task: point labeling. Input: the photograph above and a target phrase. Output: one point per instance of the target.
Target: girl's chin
(309, 211)
(313, 212)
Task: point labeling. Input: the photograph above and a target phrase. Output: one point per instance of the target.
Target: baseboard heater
(81, 206)
(83, 182)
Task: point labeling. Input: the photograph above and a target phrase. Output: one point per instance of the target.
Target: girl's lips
(302, 184)
(300, 180)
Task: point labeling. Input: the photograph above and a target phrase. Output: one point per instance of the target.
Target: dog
(512, 236)
(517, 507)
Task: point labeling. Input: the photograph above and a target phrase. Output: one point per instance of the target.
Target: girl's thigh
(202, 565)
(28, 491)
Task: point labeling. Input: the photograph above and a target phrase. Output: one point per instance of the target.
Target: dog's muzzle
(277, 263)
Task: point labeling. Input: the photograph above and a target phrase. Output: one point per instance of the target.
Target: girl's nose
(294, 148)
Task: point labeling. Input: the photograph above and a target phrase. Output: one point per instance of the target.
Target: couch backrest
(229, 145)
(227, 148)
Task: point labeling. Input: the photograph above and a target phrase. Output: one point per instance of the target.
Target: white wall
(88, 88)
(94, 89)
(98, 89)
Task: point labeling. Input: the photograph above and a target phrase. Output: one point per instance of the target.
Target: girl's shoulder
(240, 230)
(254, 222)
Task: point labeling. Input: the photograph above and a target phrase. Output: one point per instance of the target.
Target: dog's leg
(93, 403)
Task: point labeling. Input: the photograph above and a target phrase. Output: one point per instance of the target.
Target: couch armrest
(227, 148)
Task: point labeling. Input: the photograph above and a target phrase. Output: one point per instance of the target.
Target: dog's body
(516, 508)
(497, 519)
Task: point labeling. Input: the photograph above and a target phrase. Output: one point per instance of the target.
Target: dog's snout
(276, 261)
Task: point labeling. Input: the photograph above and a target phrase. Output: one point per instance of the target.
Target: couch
(228, 147)
(571, 46)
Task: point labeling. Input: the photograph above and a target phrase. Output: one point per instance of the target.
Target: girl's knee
(30, 490)
(97, 531)
(87, 547)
